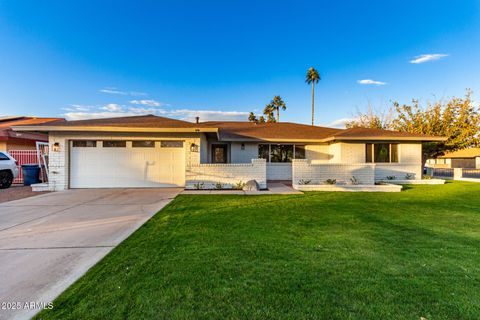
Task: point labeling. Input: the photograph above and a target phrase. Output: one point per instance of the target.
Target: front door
(219, 153)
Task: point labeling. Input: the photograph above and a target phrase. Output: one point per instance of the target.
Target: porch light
(194, 147)
(56, 147)
(243, 146)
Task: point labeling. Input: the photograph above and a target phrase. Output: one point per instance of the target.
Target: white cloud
(78, 107)
(428, 57)
(149, 103)
(208, 115)
(112, 110)
(113, 90)
(339, 123)
(112, 107)
(95, 115)
(371, 82)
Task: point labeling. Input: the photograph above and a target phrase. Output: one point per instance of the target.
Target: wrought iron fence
(443, 172)
(471, 173)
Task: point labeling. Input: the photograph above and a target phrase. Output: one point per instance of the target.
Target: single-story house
(152, 151)
(465, 158)
(13, 140)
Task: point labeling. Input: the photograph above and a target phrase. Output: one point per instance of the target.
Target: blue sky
(221, 59)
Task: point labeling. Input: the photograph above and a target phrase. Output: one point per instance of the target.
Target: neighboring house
(12, 140)
(465, 158)
(151, 151)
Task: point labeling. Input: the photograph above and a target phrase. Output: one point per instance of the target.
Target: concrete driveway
(48, 241)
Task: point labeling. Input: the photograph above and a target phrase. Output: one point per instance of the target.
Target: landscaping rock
(251, 185)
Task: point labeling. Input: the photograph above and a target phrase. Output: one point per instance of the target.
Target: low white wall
(318, 173)
(366, 173)
(398, 170)
(226, 173)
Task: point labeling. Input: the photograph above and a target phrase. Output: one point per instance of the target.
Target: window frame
(269, 158)
(144, 147)
(371, 158)
(164, 143)
(95, 144)
(113, 141)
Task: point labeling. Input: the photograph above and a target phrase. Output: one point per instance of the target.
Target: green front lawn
(320, 255)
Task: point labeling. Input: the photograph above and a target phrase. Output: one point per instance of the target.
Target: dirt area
(16, 192)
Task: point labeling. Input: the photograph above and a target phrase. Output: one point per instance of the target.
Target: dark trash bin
(31, 173)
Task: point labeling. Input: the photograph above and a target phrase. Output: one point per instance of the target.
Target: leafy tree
(372, 119)
(261, 119)
(312, 78)
(458, 119)
(275, 105)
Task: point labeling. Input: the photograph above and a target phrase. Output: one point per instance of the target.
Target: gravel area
(16, 192)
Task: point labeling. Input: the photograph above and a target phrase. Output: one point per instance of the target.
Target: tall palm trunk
(313, 102)
(278, 114)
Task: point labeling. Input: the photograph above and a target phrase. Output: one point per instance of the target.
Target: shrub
(331, 181)
(199, 185)
(218, 185)
(354, 180)
(239, 185)
(427, 177)
(409, 176)
(391, 177)
(304, 181)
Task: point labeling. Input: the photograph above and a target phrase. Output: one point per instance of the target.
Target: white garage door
(126, 164)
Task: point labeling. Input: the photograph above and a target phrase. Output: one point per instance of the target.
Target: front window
(263, 151)
(299, 152)
(84, 144)
(143, 144)
(381, 152)
(114, 144)
(281, 153)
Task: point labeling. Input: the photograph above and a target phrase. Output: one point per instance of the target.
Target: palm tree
(268, 112)
(312, 78)
(274, 106)
(252, 117)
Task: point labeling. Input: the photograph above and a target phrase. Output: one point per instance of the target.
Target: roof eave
(385, 138)
(270, 140)
(108, 129)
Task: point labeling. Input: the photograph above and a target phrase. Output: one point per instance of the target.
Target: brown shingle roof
(6, 132)
(367, 133)
(230, 130)
(270, 131)
(8, 122)
(146, 121)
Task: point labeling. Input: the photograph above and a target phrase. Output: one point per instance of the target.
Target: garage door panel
(127, 167)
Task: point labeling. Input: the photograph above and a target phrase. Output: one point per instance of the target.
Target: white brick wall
(226, 173)
(399, 170)
(366, 173)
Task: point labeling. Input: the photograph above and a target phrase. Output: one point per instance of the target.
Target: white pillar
(477, 162)
(457, 173)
